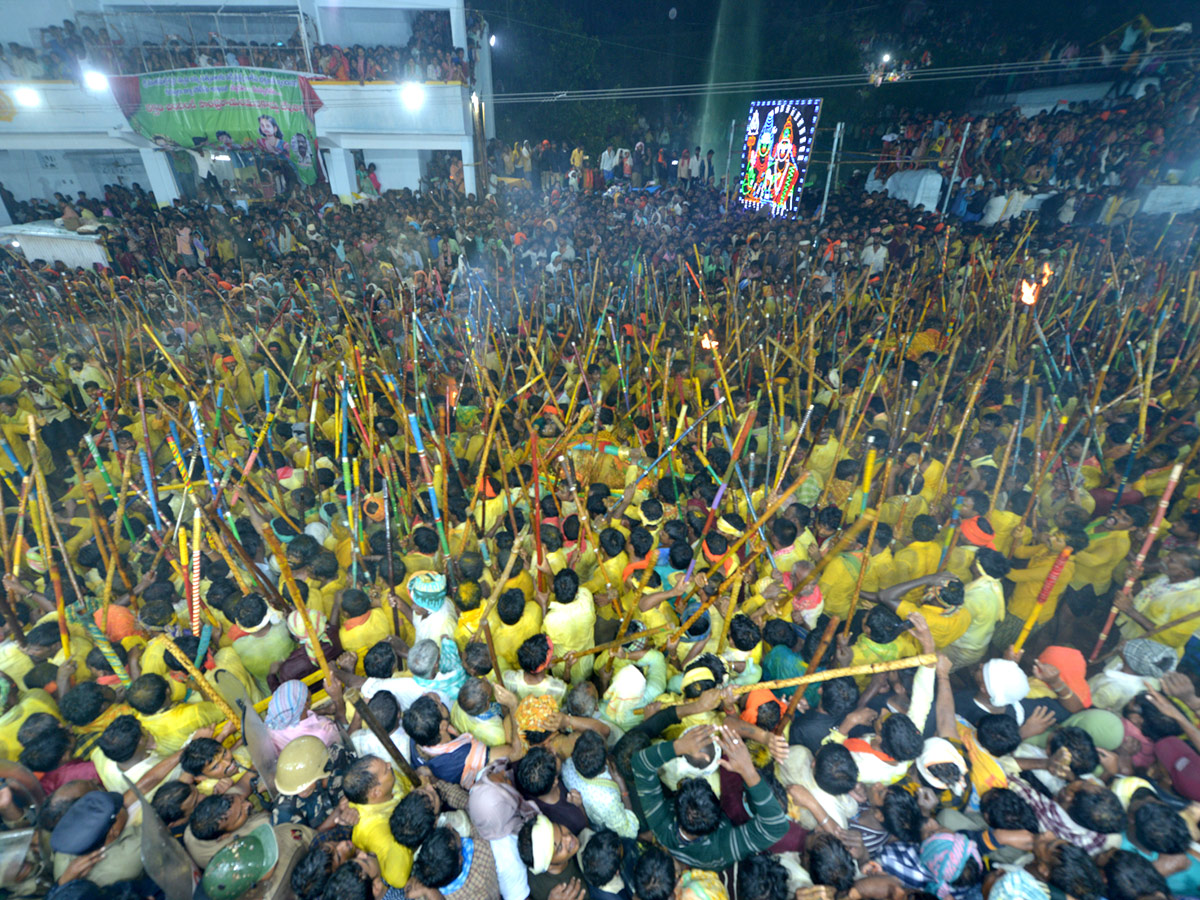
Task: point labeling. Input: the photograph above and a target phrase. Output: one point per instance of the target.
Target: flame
(708, 343)
(1029, 292)
(1046, 273)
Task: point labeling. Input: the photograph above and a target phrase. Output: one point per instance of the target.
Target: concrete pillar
(483, 82)
(339, 167)
(161, 176)
(458, 24)
(470, 170)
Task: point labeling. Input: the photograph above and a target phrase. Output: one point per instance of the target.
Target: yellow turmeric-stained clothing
(361, 633)
(34, 701)
(508, 638)
(838, 581)
(946, 626)
(1029, 582)
(174, 726)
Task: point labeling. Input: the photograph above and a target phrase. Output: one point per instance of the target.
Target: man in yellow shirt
(15, 708)
(1030, 580)
(513, 621)
(612, 562)
(1107, 548)
(900, 503)
(922, 556)
(171, 725)
(840, 576)
(362, 625)
(570, 621)
(1174, 594)
(941, 604)
(373, 790)
(881, 570)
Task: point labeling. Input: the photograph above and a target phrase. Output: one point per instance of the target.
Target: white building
(68, 137)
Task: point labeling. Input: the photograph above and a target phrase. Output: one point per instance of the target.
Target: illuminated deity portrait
(783, 159)
(775, 153)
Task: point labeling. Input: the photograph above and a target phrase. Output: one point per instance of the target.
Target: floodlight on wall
(27, 96)
(95, 81)
(412, 95)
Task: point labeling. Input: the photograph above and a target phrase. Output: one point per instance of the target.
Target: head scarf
(1106, 729)
(1017, 884)
(1006, 685)
(428, 589)
(939, 750)
(534, 713)
(543, 845)
(1149, 659)
(1072, 667)
(973, 532)
(945, 856)
(624, 694)
(287, 705)
(755, 699)
(694, 675)
(495, 807)
(1128, 785)
(295, 624)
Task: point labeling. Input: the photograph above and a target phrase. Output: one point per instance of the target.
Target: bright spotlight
(412, 95)
(95, 81)
(27, 96)
(492, 41)
(16, 243)
(887, 57)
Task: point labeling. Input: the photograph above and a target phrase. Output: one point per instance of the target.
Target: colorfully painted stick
(433, 504)
(198, 426)
(112, 490)
(194, 599)
(654, 465)
(202, 684)
(151, 490)
(1043, 595)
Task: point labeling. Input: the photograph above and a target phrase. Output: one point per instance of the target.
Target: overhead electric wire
(812, 82)
(951, 73)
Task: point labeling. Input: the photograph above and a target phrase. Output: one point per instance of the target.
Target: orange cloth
(754, 700)
(1072, 667)
(122, 623)
(973, 532)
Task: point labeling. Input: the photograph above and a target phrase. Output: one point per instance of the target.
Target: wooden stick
(894, 665)
(794, 700)
(205, 687)
(866, 561)
(878, 668)
(1140, 560)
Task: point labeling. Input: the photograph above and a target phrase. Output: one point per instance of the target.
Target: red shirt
(76, 770)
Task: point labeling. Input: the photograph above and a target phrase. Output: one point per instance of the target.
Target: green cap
(241, 865)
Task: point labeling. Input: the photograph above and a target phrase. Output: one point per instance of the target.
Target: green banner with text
(226, 110)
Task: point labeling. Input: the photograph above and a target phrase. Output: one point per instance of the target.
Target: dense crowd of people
(609, 543)
(1025, 53)
(68, 50)
(1122, 141)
